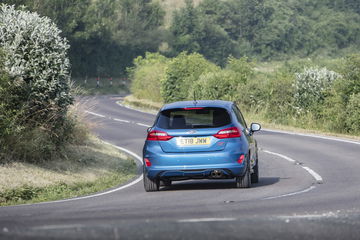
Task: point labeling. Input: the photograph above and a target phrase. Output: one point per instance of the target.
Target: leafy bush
(311, 86)
(19, 194)
(216, 85)
(353, 114)
(181, 72)
(223, 84)
(351, 72)
(36, 57)
(280, 97)
(341, 106)
(243, 68)
(34, 87)
(146, 74)
(296, 93)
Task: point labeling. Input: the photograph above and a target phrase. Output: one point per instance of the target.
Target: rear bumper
(184, 174)
(190, 165)
(195, 171)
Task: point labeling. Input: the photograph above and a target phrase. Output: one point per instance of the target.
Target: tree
(105, 36)
(36, 60)
(181, 72)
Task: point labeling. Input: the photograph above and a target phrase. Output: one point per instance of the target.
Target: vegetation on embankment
(153, 107)
(319, 94)
(83, 169)
(46, 151)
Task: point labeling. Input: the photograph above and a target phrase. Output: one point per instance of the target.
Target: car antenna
(195, 102)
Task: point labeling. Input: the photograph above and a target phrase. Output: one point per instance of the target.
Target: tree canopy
(106, 35)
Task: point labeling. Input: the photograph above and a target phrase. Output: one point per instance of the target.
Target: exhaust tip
(217, 174)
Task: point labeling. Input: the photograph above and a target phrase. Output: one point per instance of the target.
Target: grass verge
(142, 104)
(85, 169)
(153, 107)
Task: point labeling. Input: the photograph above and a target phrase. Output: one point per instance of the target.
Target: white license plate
(193, 141)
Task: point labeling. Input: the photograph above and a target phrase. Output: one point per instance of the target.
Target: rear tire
(151, 185)
(244, 181)
(255, 174)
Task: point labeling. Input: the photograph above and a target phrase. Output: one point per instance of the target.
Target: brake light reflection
(147, 162)
(241, 159)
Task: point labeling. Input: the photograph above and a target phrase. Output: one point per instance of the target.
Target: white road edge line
(291, 194)
(143, 125)
(280, 155)
(315, 175)
(137, 157)
(313, 136)
(95, 114)
(195, 220)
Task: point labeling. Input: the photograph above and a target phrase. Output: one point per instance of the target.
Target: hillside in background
(172, 5)
(105, 36)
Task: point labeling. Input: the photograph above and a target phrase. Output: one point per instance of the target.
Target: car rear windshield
(187, 118)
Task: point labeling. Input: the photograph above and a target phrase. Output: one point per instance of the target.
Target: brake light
(193, 108)
(241, 159)
(147, 162)
(232, 132)
(156, 135)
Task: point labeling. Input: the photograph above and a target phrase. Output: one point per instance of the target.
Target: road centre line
(314, 174)
(117, 119)
(121, 120)
(95, 114)
(143, 125)
(196, 220)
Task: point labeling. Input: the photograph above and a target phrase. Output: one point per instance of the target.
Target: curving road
(309, 189)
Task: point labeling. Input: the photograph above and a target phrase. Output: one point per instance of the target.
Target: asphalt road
(308, 189)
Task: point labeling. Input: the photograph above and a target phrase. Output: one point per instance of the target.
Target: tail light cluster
(232, 132)
(156, 135)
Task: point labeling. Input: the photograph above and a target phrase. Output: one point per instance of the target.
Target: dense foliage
(145, 75)
(34, 84)
(105, 36)
(180, 74)
(36, 56)
(323, 95)
(266, 30)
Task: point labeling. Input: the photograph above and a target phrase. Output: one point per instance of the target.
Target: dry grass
(85, 163)
(142, 104)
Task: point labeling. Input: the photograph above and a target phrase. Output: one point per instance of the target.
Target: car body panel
(171, 161)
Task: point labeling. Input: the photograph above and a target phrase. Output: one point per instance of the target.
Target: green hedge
(322, 94)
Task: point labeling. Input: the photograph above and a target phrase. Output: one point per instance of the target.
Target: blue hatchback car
(200, 140)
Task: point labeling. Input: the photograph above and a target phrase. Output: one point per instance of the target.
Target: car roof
(198, 103)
